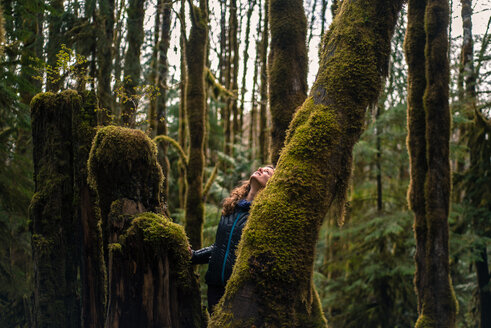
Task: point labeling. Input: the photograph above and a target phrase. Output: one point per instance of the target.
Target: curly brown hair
(237, 194)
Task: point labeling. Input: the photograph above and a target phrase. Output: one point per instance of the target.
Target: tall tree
(234, 72)
(132, 66)
(476, 184)
(55, 39)
(196, 111)
(105, 55)
(428, 140)
(272, 280)
(287, 67)
(158, 76)
(263, 115)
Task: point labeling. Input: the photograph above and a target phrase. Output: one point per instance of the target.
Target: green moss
(123, 164)
(115, 247)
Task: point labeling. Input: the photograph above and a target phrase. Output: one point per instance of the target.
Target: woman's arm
(202, 256)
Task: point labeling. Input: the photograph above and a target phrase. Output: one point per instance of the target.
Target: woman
(221, 255)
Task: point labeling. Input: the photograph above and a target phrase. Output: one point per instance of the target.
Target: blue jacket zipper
(228, 248)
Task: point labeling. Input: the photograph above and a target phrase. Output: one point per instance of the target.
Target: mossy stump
(150, 280)
(55, 240)
(271, 285)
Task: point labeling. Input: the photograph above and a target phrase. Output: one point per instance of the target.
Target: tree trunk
(287, 67)
(183, 124)
(245, 61)
(55, 39)
(105, 56)
(272, 280)
(117, 38)
(234, 71)
(54, 233)
(263, 115)
(428, 140)
(196, 111)
(132, 67)
(414, 48)
(151, 281)
(32, 48)
(161, 99)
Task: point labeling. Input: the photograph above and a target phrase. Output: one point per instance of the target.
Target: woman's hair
(237, 194)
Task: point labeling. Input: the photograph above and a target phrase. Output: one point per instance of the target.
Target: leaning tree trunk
(196, 110)
(287, 67)
(272, 280)
(428, 141)
(54, 232)
(151, 282)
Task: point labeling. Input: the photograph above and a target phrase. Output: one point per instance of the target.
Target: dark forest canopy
(125, 123)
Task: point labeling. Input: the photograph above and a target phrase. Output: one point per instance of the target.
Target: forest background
(130, 53)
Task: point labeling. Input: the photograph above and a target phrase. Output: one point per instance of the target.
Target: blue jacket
(221, 255)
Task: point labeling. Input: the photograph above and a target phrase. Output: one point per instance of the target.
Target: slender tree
(263, 114)
(428, 140)
(196, 111)
(132, 66)
(287, 67)
(105, 55)
(55, 38)
(272, 280)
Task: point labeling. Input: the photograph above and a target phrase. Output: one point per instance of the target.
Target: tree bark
(287, 67)
(272, 280)
(196, 111)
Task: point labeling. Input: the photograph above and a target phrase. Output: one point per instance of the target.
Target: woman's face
(262, 175)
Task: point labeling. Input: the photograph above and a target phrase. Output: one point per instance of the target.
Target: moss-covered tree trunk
(151, 282)
(414, 47)
(264, 136)
(196, 110)
(245, 62)
(272, 280)
(428, 141)
(287, 67)
(54, 233)
(105, 23)
(132, 66)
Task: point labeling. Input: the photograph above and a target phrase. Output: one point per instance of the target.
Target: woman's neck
(252, 192)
